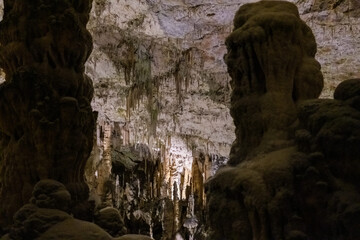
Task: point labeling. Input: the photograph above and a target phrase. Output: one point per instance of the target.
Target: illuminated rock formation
(151, 188)
(46, 124)
(159, 73)
(293, 171)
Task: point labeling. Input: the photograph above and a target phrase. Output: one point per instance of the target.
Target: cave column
(46, 124)
(105, 166)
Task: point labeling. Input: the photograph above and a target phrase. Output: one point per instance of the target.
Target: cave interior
(120, 126)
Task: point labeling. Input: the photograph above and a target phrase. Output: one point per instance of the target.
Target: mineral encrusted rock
(293, 172)
(46, 124)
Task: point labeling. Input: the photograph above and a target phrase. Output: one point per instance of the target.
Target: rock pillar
(46, 123)
(271, 62)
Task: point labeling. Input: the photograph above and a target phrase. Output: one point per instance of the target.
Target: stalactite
(181, 72)
(142, 84)
(117, 192)
(143, 177)
(198, 183)
(129, 63)
(206, 174)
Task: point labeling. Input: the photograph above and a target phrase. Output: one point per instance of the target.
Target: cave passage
(177, 121)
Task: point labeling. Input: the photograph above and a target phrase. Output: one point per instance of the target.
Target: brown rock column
(46, 121)
(271, 62)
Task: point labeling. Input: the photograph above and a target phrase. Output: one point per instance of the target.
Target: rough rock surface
(200, 25)
(184, 41)
(44, 218)
(271, 62)
(298, 176)
(151, 199)
(150, 74)
(46, 124)
(160, 78)
(110, 220)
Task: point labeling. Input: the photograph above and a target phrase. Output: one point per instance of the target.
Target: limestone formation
(160, 36)
(293, 172)
(151, 191)
(271, 62)
(44, 218)
(110, 220)
(159, 74)
(46, 124)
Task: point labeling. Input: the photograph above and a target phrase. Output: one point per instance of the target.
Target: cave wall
(177, 40)
(179, 45)
(159, 71)
(153, 60)
(178, 26)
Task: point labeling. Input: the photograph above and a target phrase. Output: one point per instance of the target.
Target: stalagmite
(46, 123)
(270, 73)
(191, 221)
(104, 167)
(294, 165)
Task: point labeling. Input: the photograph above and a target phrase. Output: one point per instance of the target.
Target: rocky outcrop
(289, 175)
(46, 124)
(110, 220)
